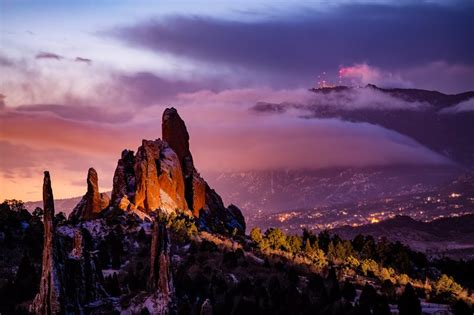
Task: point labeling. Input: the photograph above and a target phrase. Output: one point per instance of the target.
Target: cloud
(292, 50)
(2, 102)
(6, 62)
(225, 135)
(463, 107)
(146, 88)
(357, 98)
(441, 76)
(363, 74)
(79, 113)
(48, 55)
(84, 60)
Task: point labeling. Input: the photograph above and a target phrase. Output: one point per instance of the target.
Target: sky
(82, 80)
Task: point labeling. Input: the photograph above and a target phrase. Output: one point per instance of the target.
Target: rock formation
(162, 175)
(82, 280)
(124, 180)
(93, 202)
(69, 278)
(174, 132)
(48, 299)
(160, 279)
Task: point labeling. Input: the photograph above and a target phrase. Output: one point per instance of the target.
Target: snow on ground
(96, 228)
(66, 230)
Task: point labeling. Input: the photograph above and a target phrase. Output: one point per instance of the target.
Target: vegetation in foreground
(265, 273)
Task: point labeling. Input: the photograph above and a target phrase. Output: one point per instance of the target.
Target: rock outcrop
(174, 132)
(124, 180)
(69, 277)
(48, 299)
(162, 175)
(81, 278)
(93, 202)
(160, 280)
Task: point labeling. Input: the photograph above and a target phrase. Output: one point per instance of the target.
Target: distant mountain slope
(279, 190)
(61, 205)
(437, 99)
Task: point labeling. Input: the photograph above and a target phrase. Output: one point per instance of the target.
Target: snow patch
(168, 205)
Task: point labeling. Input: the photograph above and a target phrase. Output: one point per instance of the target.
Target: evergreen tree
(409, 304)
(349, 291)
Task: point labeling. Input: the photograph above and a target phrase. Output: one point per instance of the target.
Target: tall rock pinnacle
(93, 205)
(174, 132)
(93, 202)
(47, 301)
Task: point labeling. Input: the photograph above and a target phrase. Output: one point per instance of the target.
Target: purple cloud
(146, 88)
(48, 55)
(79, 112)
(294, 50)
(84, 60)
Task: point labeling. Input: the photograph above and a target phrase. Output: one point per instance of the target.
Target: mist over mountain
(431, 118)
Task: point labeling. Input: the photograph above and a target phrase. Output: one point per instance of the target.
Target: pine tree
(409, 304)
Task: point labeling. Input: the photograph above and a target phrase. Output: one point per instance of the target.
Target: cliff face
(162, 175)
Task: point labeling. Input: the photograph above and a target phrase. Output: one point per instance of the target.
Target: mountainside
(455, 198)
(431, 118)
(452, 236)
(284, 190)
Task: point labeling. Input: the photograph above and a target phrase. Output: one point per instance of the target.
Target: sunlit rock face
(162, 176)
(158, 178)
(176, 135)
(93, 202)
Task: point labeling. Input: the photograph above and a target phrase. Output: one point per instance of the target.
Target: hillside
(453, 236)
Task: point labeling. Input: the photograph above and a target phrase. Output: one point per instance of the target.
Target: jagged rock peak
(93, 202)
(47, 301)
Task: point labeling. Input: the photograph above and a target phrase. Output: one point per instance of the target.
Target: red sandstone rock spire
(47, 301)
(93, 202)
(174, 132)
